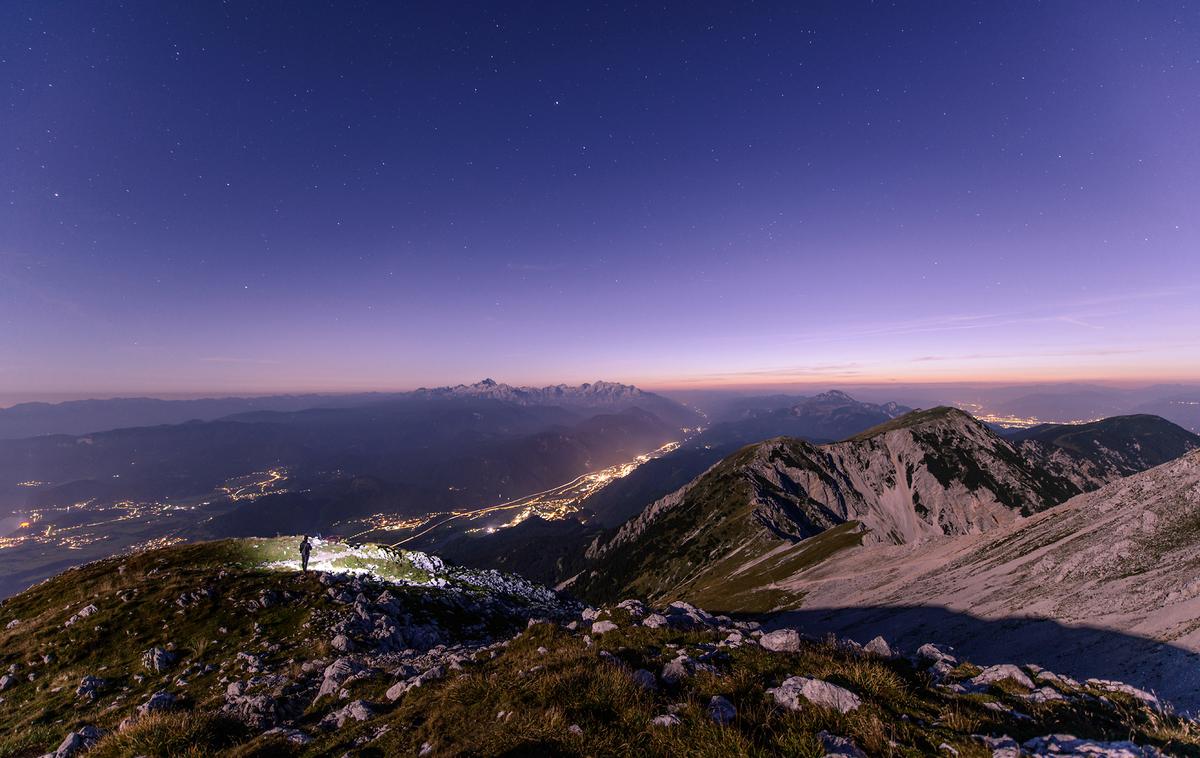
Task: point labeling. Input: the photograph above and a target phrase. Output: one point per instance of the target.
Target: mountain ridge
(747, 519)
(80, 417)
(1120, 558)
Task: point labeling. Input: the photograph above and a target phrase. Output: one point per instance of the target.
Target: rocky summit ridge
(772, 509)
(223, 648)
(778, 505)
(1114, 568)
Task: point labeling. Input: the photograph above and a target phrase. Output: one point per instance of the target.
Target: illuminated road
(256, 487)
(552, 504)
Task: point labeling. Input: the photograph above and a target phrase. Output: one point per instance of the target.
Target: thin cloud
(539, 268)
(1075, 312)
(250, 361)
(1029, 354)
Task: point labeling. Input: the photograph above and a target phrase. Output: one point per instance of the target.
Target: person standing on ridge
(305, 549)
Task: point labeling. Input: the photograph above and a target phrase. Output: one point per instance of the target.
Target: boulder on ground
(78, 741)
(81, 614)
(678, 669)
(636, 608)
(796, 690)
(879, 646)
(645, 679)
(399, 688)
(1126, 689)
(157, 659)
(930, 653)
(357, 710)
(335, 674)
(159, 701)
(721, 710)
(1066, 744)
(600, 627)
(681, 615)
(1002, 746)
(839, 747)
(1000, 672)
(1045, 695)
(88, 686)
(781, 641)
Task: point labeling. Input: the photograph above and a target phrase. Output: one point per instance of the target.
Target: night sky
(253, 197)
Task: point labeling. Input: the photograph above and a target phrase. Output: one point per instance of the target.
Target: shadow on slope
(1169, 671)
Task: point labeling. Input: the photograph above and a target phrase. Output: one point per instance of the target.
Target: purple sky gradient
(314, 197)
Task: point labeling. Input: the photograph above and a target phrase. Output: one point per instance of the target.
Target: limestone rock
(399, 688)
(636, 608)
(1066, 744)
(1000, 672)
(157, 659)
(159, 701)
(839, 747)
(78, 741)
(794, 691)
(81, 614)
(781, 641)
(879, 646)
(88, 686)
(357, 710)
(336, 674)
(721, 710)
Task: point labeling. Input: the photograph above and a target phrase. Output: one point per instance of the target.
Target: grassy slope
(546, 691)
(570, 684)
(732, 589)
(110, 642)
(723, 535)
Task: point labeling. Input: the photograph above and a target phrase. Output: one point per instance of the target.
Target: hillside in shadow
(1169, 671)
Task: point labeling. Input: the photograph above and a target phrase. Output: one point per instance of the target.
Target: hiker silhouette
(305, 549)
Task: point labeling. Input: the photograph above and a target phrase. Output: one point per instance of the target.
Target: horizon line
(57, 397)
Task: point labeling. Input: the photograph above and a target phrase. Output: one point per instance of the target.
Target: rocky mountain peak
(768, 507)
(833, 395)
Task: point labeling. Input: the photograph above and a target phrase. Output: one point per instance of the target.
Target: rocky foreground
(223, 648)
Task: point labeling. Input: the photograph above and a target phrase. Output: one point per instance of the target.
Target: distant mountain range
(454, 450)
(87, 416)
